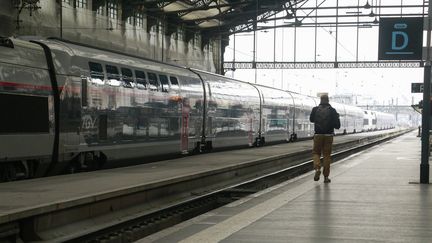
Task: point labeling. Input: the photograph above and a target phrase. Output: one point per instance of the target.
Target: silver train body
(67, 107)
(375, 120)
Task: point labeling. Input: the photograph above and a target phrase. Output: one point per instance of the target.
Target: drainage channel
(153, 222)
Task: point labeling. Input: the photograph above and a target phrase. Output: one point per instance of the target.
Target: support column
(425, 150)
(424, 165)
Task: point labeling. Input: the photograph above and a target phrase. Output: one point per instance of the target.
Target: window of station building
(180, 34)
(81, 3)
(100, 10)
(96, 71)
(141, 79)
(164, 82)
(153, 82)
(136, 19)
(131, 20)
(139, 19)
(66, 1)
(174, 82)
(127, 77)
(112, 10)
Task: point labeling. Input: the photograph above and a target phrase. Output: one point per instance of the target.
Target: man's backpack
(323, 118)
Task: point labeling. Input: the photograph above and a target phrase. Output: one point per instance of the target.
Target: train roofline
(111, 51)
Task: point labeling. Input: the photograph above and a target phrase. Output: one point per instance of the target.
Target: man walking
(326, 119)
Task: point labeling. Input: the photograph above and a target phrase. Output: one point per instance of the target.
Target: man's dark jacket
(335, 122)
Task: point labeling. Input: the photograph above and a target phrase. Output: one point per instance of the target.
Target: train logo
(88, 122)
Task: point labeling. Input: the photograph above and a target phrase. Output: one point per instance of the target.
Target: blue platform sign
(400, 39)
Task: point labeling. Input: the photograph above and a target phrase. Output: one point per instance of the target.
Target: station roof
(214, 19)
(217, 17)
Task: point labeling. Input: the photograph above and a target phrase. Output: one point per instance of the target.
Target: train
(68, 107)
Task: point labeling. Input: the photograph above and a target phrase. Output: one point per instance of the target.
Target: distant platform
(371, 199)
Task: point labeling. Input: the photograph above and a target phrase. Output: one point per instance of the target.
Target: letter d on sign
(395, 35)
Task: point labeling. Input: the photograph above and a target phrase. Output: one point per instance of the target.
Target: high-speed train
(67, 107)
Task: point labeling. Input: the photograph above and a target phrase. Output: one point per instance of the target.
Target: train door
(210, 113)
(184, 134)
(179, 121)
(263, 116)
(194, 98)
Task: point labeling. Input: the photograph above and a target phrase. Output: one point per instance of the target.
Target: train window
(153, 82)
(28, 114)
(96, 71)
(141, 79)
(113, 75)
(127, 77)
(112, 72)
(164, 82)
(174, 82)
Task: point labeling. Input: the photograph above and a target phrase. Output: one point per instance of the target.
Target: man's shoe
(327, 180)
(317, 175)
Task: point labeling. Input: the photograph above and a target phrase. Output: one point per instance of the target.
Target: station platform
(373, 197)
(24, 199)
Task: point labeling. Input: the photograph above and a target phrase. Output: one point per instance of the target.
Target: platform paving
(372, 198)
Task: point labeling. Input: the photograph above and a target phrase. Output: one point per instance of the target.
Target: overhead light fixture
(367, 5)
(371, 14)
(376, 21)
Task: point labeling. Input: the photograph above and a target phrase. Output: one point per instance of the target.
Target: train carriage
(27, 126)
(375, 120)
(232, 111)
(116, 107)
(277, 114)
(384, 120)
(369, 120)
